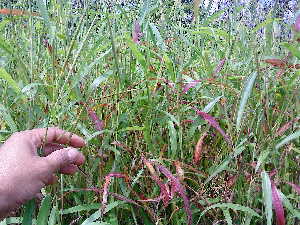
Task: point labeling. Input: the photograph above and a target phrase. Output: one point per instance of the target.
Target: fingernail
(73, 153)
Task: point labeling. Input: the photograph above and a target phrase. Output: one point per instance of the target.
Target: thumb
(64, 157)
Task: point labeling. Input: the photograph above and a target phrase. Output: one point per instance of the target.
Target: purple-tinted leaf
(190, 85)
(297, 24)
(179, 188)
(219, 67)
(286, 126)
(137, 33)
(296, 187)
(212, 121)
(277, 204)
(106, 187)
(164, 195)
(99, 124)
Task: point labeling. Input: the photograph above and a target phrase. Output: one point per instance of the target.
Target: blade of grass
(267, 196)
(244, 98)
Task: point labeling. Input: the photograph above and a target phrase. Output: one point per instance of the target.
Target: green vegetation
(214, 102)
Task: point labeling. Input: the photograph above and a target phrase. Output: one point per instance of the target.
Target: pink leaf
(219, 67)
(297, 24)
(296, 187)
(286, 126)
(212, 121)
(99, 124)
(137, 33)
(177, 187)
(277, 204)
(190, 85)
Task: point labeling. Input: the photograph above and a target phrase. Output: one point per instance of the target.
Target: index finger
(55, 135)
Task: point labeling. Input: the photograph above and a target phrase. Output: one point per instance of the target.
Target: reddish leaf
(296, 187)
(198, 149)
(277, 204)
(48, 46)
(165, 194)
(106, 187)
(179, 171)
(190, 85)
(99, 124)
(212, 121)
(219, 67)
(16, 12)
(179, 188)
(276, 62)
(286, 126)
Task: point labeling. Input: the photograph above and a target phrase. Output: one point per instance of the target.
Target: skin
(23, 173)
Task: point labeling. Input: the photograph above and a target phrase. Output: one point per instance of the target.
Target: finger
(51, 147)
(62, 158)
(52, 180)
(69, 170)
(39, 196)
(55, 135)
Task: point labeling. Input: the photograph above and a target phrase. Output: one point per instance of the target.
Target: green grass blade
(79, 208)
(288, 139)
(159, 40)
(232, 206)
(53, 216)
(97, 214)
(227, 216)
(210, 105)
(267, 196)
(28, 213)
(224, 164)
(245, 96)
(5, 115)
(173, 139)
(11, 82)
(42, 218)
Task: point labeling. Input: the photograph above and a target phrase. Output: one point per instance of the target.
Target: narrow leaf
(288, 139)
(198, 149)
(227, 216)
(99, 124)
(44, 212)
(212, 121)
(232, 206)
(13, 84)
(5, 115)
(267, 196)
(245, 96)
(286, 126)
(16, 12)
(179, 188)
(190, 85)
(277, 205)
(295, 186)
(173, 139)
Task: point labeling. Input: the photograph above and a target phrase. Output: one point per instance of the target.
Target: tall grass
(75, 67)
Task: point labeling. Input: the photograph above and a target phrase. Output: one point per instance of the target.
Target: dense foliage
(188, 120)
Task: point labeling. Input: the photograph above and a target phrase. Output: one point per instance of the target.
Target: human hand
(23, 173)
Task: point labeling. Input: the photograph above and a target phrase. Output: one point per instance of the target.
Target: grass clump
(200, 120)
